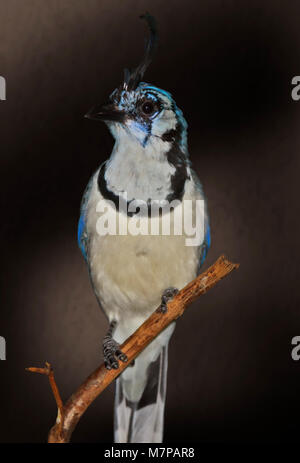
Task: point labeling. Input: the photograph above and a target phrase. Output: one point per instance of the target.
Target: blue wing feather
(82, 235)
(205, 245)
(203, 250)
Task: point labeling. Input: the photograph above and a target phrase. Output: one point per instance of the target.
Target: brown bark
(70, 413)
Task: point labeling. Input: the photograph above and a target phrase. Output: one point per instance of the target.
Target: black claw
(113, 362)
(162, 308)
(107, 365)
(168, 294)
(112, 353)
(121, 356)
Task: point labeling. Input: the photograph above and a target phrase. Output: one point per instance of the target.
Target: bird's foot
(112, 353)
(168, 294)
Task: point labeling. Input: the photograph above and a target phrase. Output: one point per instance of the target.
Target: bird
(134, 273)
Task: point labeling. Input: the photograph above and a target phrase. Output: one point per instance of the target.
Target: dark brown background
(229, 65)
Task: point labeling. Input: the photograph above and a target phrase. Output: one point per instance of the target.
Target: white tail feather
(143, 421)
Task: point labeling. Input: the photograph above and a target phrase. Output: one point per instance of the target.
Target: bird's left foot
(111, 349)
(112, 353)
(168, 294)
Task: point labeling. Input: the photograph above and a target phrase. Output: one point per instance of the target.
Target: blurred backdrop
(229, 65)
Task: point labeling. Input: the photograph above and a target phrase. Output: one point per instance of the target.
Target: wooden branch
(70, 413)
(48, 371)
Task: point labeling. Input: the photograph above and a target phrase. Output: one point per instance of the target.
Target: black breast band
(177, 183)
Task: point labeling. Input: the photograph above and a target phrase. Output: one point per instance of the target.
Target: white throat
(139, 172)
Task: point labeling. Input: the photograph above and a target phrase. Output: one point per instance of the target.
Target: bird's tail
(141, 420)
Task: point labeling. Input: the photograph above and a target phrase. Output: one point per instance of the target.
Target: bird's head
(141, 112)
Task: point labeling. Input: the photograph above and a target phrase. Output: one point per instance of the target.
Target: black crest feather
(132, 79)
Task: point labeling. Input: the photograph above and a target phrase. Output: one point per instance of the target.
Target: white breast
(130, 273)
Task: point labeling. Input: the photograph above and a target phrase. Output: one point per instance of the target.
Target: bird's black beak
(106, 113)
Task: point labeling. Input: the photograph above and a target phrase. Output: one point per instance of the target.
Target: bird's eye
(148, 108)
